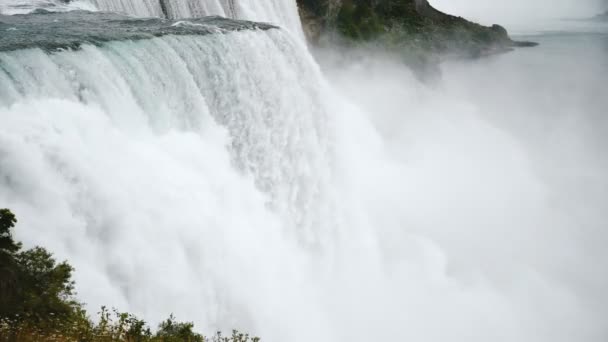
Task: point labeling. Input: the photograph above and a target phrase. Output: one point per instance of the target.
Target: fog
(498, 168)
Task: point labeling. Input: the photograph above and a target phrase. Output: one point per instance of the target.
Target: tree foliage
(37, 303)
(172, 331)
(34, 286)
(8, 265)
(45, 287)
(7, 222)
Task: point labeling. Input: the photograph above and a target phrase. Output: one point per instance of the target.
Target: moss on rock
(400, 25)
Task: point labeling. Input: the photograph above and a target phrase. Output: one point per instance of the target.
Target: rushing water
(212, 169)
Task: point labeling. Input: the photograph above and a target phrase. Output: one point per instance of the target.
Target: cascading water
(141, 8)
(170, 92)
(204, 167)
(280, 12)
(168, 8)
(9, 7)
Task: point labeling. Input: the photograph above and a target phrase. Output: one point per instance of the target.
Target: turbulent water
(212, 169)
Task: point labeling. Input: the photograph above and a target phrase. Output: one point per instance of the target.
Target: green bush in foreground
(37, 303)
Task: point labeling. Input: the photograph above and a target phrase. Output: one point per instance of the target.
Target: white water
(221, 179)
(11, 7)
(140, 8)
(122, 153)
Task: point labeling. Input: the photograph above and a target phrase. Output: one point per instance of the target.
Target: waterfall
(10, 7)
(173, 9)
(205, 167)
(140, 8)
(226, 133)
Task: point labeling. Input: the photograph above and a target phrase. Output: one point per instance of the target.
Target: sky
(520, 13)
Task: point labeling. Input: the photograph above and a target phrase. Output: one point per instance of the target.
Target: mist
(487, 188)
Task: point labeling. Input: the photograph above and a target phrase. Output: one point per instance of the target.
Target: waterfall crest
(279, 12)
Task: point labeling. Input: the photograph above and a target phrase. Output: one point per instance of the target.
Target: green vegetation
(37, 303)
(316, 7)
(411, 27)
(359, 21)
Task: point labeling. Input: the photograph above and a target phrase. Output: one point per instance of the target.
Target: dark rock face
(524, 44)
(413, 26)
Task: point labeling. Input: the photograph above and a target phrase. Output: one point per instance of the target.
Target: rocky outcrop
(407, 25)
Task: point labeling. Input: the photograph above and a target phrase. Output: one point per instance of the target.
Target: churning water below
(228, 179)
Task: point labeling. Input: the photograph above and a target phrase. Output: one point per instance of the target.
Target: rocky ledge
(413, 27)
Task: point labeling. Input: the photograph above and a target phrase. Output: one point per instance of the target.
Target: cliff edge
(407, 25)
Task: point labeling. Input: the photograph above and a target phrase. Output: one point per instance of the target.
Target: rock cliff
(407, 25)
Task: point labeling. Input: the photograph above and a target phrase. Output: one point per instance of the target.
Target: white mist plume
(499, 170)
